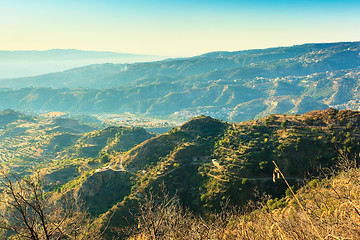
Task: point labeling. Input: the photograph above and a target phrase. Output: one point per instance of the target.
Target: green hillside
(107, 140)
(322, 209)
(204, 162)
(61, 147)
(207, 161)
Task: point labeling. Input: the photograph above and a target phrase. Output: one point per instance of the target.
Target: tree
(284, 124)
(27, 211)
(104, 158)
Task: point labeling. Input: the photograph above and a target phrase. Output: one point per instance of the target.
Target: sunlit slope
(207, 161)
(236, 86)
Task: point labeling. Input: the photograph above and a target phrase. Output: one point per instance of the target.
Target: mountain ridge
(26, 63)
(236, 86)
(204, 169)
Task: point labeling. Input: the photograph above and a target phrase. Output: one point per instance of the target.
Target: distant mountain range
(235, 86)
(31, 63)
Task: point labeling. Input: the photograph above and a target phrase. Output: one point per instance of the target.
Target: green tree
(104, 158)
(284, 124)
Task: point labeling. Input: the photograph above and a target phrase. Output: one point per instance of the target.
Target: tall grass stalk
(278, 171)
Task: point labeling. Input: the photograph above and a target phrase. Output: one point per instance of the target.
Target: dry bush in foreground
(323, 209)
(162, 217)
(29, 212)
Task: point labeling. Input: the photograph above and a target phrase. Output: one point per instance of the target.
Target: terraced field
(25, 145)
(63, 148)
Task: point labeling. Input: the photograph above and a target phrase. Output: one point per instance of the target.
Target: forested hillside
(205, 163)
(62, 147)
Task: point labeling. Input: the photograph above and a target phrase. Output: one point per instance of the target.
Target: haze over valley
(235, 86)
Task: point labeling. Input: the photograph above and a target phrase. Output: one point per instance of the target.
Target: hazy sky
(174, 27)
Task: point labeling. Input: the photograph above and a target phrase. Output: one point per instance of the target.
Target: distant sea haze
(15, 64)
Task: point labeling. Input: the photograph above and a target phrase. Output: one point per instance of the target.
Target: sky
(174, 27)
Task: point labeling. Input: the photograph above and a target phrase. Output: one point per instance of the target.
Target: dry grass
(324, 209)
(331, 205)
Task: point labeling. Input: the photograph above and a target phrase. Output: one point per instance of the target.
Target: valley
(233, 86)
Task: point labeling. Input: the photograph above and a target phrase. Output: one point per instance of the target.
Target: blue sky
(174, 28)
